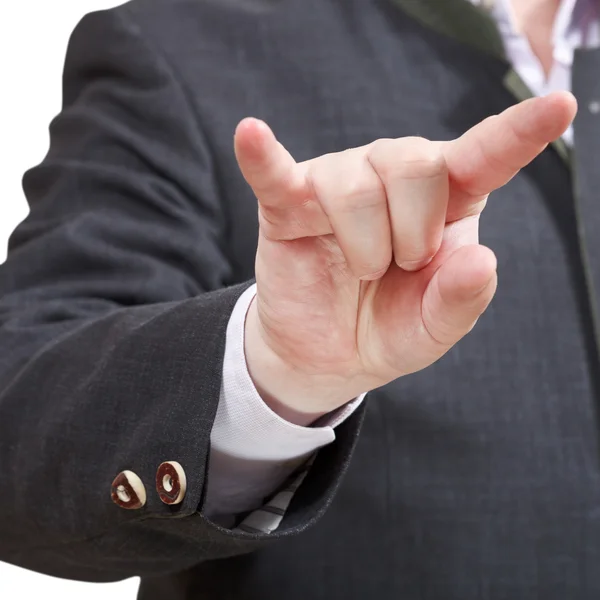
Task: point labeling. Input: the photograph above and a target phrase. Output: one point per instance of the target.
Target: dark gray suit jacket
(477, 478)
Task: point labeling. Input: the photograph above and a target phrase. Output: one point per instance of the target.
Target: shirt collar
(576, 24)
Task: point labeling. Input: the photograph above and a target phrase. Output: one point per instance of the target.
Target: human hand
(369, 265)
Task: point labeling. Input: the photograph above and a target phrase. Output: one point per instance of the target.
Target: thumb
(458, 293)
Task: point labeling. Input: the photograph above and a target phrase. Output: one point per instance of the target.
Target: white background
(32, 48)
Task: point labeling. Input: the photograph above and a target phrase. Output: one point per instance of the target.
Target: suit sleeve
(113, 311)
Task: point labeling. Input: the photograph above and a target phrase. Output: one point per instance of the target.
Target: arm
(112, 325)
(111, 331)
(253, 449)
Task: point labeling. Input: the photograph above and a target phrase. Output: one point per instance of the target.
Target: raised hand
(369, 265)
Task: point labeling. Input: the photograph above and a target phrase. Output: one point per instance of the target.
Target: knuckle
(319, 183)
(276, 226)
(358, 193)
(475, 209)
(409, 158)
(268, 223)
(347, 185)
(423, 159)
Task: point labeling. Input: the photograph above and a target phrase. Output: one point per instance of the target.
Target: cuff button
(128, 491)
(171, 483)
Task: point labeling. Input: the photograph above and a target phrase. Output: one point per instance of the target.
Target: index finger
(490, 154)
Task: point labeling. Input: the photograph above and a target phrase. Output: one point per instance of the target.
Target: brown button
(128, 491)
(171, 482)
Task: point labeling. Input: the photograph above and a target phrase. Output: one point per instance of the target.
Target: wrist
(295, 396)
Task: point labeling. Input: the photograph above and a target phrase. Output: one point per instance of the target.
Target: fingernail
(415, 265)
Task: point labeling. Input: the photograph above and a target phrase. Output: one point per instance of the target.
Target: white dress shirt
(252, 449)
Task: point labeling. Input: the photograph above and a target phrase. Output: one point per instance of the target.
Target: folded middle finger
(415, 176)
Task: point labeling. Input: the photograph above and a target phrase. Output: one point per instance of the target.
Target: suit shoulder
(181, 26)
(169, 11)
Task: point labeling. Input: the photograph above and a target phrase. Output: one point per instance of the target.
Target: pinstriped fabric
(268, 518)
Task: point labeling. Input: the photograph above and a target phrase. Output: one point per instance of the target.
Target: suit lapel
(458, 19)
